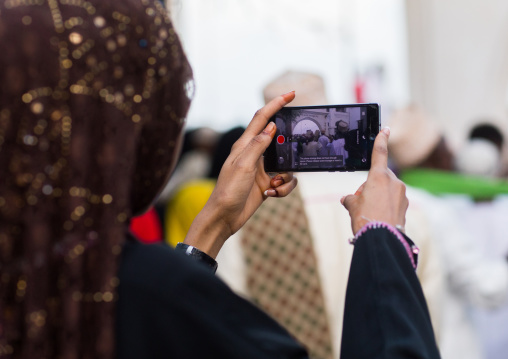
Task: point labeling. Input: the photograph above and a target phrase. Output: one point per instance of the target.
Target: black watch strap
(197, 254)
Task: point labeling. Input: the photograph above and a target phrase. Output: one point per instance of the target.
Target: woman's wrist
(411, 249)
(208, 232)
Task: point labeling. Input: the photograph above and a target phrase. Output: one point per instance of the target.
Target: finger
(380, 150)
(281, 178)
(264, 114)
(254, 149)
(360, 189)
(348, 201)
(283, 190)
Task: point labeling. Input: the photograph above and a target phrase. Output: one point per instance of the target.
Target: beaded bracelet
(410, 250)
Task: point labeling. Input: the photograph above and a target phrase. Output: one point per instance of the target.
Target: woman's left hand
(242, 185)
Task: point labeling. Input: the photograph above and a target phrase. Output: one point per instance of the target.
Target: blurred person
(190, 197)
(147, 227)
(78, 163)
(194, 162)
(312, 230)
(324, 145)
(339, 142)
(423, 159)
(422, 156)
(481, 153)
(481, 156)
(310, 147)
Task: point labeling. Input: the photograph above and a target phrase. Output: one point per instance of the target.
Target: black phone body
(323, 138)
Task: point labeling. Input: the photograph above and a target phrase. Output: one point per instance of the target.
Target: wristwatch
(200, 256)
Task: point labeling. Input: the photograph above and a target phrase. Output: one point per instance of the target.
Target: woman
(94, 97)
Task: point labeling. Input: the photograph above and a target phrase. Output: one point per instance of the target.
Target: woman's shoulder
(147, 267)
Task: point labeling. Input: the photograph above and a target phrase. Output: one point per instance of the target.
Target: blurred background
(443, 64)
(449, 57)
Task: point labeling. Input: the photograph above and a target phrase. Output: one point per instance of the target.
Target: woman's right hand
(383, 196)
(242, 185)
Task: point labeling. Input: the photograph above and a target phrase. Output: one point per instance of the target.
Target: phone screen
(323, 138)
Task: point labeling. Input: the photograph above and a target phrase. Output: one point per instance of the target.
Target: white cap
(479, 157)
(309, 88)
(413, 136)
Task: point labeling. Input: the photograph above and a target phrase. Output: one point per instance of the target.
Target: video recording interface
(323, 138)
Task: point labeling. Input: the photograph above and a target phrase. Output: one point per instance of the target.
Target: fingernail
(278, 182)
(270, 193)
(269, 128)
(288, 96)
(386, 130)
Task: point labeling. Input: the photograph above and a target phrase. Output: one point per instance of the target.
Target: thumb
(349, 201)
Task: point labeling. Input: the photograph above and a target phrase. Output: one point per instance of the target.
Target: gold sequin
(137, 98)
(107, 199)
(99, 21)
(21, 284)
(107, 296)
(37, 108)
(66, 64)
(30, 140)
(72, 22)
(56, 115)
(79, 211)
(75, 38)
(26, 20)
(163, 34)
(121, 40)
(47, 189)
(27, 98)
(37, 318)
(111, 45)
(136, 118)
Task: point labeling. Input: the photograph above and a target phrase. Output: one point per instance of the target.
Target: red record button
(280, 139)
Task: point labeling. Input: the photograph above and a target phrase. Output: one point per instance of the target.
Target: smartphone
(323, 138)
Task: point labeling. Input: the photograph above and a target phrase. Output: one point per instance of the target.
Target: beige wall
(458, 61)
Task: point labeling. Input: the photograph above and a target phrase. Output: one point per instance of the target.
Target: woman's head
(92, 103)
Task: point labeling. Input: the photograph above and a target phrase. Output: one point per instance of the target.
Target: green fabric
(443, 182)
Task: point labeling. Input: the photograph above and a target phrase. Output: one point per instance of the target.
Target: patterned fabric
(282, 276)
(93, 97)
